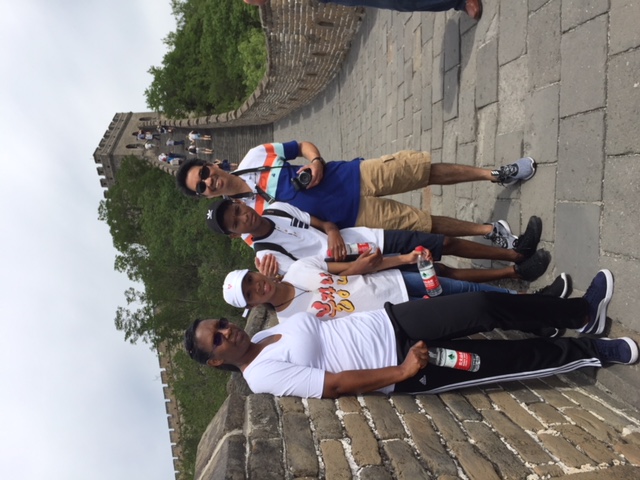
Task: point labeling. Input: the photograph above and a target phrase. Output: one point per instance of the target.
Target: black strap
(259, 246)
(277, 213)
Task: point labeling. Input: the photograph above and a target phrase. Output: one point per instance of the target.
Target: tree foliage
(214, 58)
(163, 243)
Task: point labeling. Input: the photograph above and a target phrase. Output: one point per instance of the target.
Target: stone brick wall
(556, 427)
(306, 44)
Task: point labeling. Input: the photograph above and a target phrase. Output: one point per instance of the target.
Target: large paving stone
(537, 198)
(543, 45)
(584, 55)
(623, 89)
(513, 30)
(451, 44)
(623, 25)
(577, 241)
(487, 74)
(580, 157)
(541, 131)
(512, 94)
(621, 222)
(576, 12)
(625, 305)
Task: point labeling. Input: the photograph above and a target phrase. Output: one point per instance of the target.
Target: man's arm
(363, 381)
(316, 163)
(335, 242)
(370, 262)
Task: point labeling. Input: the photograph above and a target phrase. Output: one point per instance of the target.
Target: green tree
(203, 71)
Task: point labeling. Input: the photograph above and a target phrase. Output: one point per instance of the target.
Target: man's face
(240, 218)
(223, 340)
(257, 289)
(209, 181)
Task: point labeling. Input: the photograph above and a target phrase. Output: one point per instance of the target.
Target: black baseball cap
(215, 216)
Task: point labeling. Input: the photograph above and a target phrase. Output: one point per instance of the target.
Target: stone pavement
(558, 80)
(555, 80)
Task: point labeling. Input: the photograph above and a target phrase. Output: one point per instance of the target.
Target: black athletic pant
(439, 320)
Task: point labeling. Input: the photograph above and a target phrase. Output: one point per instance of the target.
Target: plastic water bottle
(354, 250)
(428, 274)
(443, 357)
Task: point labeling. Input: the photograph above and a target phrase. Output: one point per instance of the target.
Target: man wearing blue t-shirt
(346, 193)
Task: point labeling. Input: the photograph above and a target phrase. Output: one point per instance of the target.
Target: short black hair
(181, 175)
(191, 346)
(197, 353)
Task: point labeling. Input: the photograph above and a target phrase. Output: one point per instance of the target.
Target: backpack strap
(259, 246)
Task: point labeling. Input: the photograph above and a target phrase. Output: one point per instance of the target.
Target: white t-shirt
(295, 365)
(300, 239)
(334, 296)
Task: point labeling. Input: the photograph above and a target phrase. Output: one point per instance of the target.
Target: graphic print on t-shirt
(333, 297)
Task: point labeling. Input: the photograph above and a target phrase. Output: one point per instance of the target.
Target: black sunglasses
(201, 187)
(218, 338)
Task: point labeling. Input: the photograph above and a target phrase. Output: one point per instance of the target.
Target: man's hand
(416, 359)
(268, 266)
(317, 172)
(366, 263)
(412, 257)
(335, 242)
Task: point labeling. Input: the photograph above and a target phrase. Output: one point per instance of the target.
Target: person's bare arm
(356, 382)
(370, 262)
(316, 163)
(335, 241)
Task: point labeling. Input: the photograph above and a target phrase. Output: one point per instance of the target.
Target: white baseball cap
(232, 288)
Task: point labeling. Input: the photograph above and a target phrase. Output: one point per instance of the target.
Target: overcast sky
(76, 401)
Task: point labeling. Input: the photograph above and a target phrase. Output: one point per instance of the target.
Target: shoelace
(506, 172)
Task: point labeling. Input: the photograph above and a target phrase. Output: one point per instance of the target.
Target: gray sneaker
(501, 235)
(521, 171)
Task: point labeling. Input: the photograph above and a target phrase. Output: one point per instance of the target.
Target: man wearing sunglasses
(347, 193)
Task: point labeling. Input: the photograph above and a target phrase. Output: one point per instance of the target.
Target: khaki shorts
(401, 172)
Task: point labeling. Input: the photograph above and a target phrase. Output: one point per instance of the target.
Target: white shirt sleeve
(285, 379)
(293, 211)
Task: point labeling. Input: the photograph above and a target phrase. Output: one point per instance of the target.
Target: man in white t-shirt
(314, 286)
(289, 234)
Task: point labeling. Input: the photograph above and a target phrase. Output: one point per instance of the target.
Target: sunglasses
(201, 187)
(218, 338)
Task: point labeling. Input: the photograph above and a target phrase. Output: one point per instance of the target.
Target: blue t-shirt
(335, 199)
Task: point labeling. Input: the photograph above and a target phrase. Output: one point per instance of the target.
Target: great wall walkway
(557, 80)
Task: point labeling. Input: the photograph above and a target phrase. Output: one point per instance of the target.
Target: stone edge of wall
(306, 44)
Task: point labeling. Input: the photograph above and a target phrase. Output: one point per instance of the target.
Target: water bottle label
(459, 360)
(431, 283)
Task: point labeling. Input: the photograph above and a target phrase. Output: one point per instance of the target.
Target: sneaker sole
(632, 345)
(534, 167)
(567, 286)
(601, 314)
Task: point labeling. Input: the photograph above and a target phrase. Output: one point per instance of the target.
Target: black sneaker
(598, 296)
(527, 243)
(561, 287)
(534, 266)
(617, 350)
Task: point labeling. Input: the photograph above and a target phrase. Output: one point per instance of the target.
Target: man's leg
(506, 360)
(444, 318)
(405, 5)
(453, 227)
(416, 289)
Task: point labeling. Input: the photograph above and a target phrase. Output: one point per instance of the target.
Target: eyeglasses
(218, 338)
(201, 187)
